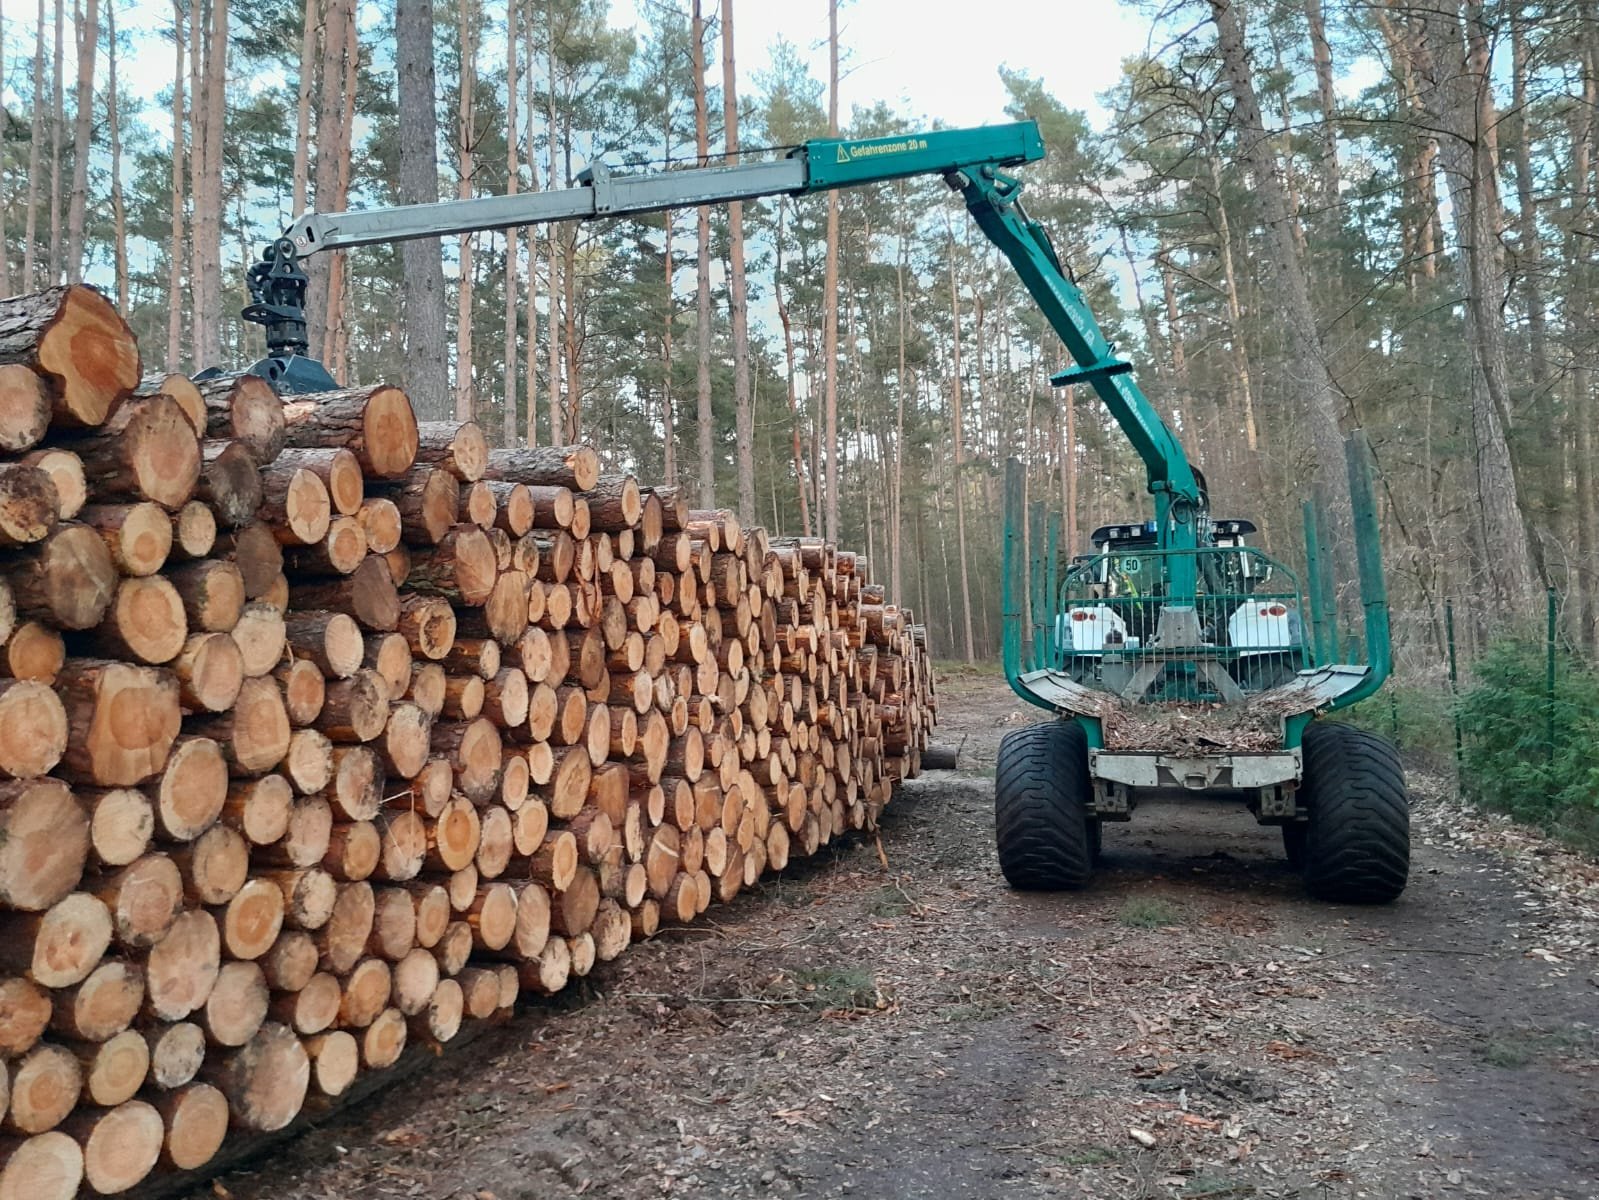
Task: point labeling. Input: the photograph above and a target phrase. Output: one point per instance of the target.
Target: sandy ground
(1191, 1025)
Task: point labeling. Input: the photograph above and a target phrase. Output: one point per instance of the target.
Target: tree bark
(957, 482)
(738, 301)
(532, 257)
(508, 425)
(704, 413)
(119, 212)
(1314, 391)
(36, 139)
(88, 32)
(830, 529)
(466, 186)
(175, 257)
(426, 371)
(1457, 96)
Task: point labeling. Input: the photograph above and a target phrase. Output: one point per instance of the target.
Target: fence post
(1454, 687)
(1549, 682)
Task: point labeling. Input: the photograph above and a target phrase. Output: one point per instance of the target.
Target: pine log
(146, 450)
(406, 740)
(338, 469)
(457, 447)
(294, 504)
(313, 1008)
(428, 501)
(380, 524)
(355, 709)
(72, 338)
(237, 1005)
(139, 535)
(429, 685)
(614, 503)
(428, 624)
(255, 733)
(182, 967)
(66, 473)
(212, 592)
(24, 408)
(353, 850)
(245, 409)
(335, 1059)
(113, 1070)
(265, 1081)
(194, 530)
(29, 504)
(33, 651)
(304, 689)
(68, 580)
(176, 1051)
(33, 728)
(121, 719)
(367, 594)
(121, 824)
(574, 467)
(256, 553)
(367, 989)
(146, 623)
(357, 791)
(196, 1120)
(331, 640)
(253, 920)
(390, 656)
(462, 567)
(377, 424)
(230, 483)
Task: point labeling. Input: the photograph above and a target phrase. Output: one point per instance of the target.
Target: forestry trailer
(1175, 658)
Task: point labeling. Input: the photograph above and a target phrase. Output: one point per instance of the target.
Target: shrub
(1504, 717)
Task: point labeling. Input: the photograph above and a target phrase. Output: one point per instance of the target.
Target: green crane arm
(972, 161)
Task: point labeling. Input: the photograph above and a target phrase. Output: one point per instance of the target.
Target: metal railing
(1108, 626)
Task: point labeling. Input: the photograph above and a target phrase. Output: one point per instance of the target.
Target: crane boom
(972, 161)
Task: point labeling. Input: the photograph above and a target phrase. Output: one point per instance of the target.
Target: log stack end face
(324, 732)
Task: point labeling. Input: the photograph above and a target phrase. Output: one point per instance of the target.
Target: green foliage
(1509, 763)
(1149, 912)
(1416, 717)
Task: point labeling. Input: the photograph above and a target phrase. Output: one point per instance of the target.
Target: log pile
(324, 732)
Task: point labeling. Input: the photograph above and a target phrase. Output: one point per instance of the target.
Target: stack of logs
(323, 731)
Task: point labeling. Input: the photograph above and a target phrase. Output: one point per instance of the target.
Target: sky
(934, 58)
(941, 58)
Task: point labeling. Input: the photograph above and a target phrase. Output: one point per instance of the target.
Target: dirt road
(1190, 1026)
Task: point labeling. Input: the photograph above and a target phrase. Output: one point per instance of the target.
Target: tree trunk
(508, 425)
(339, 265)
(57, 132)
(426, 371)
(830, 308)
(330, 110)
(119, 211)
(1314, 392)
(789, 374)
(466, 143)
(738, 302)
(1457, 97)
(957, 483)
(1530, 267)
(208, 327)
(88, 33)
(704, 414)
(557, 424)
(1321, 54)
(532, 256)
(5, 248)
(175, 234)
(302, 113)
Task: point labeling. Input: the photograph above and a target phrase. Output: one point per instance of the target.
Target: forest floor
(1191, 1025)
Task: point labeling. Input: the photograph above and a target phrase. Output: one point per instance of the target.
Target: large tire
(1041, 799)
(1357, 841)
